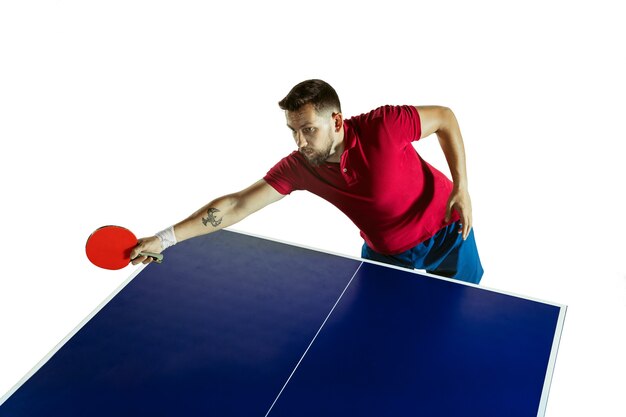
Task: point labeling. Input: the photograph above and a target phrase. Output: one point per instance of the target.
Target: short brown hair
(316, 92)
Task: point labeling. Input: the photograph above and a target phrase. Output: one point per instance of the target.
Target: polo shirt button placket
(350, 180)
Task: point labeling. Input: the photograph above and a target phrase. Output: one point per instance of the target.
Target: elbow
(446, 113)
(447, 119)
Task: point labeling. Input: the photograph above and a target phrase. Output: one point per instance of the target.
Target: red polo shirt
(391, 194)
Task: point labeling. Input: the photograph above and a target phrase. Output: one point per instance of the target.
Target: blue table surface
(225, 327)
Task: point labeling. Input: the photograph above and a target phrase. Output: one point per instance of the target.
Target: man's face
(314, 133)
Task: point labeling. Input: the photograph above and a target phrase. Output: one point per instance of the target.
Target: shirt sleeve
(405, 122)
(400, 124)
(283, 176)
(416, 122)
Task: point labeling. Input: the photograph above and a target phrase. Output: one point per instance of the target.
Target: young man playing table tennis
(409, 213)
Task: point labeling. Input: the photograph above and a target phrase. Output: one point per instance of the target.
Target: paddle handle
(157, 257)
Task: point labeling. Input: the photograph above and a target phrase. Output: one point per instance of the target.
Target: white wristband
(167, 237)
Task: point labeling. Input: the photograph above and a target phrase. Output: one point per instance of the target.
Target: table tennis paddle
(109, 247)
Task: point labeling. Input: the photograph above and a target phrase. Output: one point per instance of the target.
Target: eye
(309, 129)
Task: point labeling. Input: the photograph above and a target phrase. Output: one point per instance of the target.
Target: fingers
(134, 253)
(465, 221)
(141, 259)
(136, 257)
(464, 229)
(465, 225)
(459, 201)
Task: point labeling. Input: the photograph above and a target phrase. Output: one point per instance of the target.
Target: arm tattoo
(211, 217)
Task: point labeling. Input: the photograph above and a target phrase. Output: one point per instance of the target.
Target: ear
(338, 121)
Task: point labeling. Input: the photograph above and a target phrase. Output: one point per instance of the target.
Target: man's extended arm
(218, 214)
(441, 120)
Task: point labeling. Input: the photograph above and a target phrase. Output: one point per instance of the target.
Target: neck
(337, 149)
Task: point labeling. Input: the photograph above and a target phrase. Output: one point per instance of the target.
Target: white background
(139, 112)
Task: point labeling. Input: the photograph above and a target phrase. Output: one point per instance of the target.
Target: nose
(300, 141)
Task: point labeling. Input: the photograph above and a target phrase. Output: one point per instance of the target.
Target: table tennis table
(238, 325)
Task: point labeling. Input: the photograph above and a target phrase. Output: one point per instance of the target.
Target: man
(409, 213)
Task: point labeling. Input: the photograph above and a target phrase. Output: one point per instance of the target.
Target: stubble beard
(317, 158)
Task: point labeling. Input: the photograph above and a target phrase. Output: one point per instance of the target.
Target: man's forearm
(218, 214)
(227, 210)
(451, 143)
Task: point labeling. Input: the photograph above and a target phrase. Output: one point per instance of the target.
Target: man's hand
(460, 201)
(148, 244)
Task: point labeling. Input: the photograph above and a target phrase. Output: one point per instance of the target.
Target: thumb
(135, 251)
(449, 210)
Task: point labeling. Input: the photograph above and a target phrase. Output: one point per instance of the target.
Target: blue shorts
(445, 254)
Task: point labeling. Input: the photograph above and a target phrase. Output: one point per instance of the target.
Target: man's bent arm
(441, 120)
(227, 210)
(218, 214)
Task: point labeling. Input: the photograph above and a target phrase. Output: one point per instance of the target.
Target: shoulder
(387, 113)
(284, 176)
(291, 161)
(402, 121)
